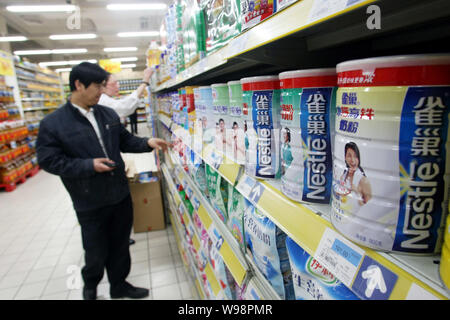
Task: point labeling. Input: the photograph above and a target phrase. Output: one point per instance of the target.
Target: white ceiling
(95, 18)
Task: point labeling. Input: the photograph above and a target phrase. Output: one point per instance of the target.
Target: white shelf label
(339, 256)
(325, 8)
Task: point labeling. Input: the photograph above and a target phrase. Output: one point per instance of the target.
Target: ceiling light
(42, 8)
(128, 66)
(73, 36)
(138, 34)
(13, 38)
(122, 49)
(136, 6)
(127, 59)
(55, 51)
(63, 70)
(64, 63)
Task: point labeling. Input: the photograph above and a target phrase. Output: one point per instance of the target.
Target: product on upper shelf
(266, 243)
(222, 22)
(236, 135)
(218, 192)
(311, 280)
(281, 4)
(221, 101)
(194, 36)
(444, 267)
(255, 11)
(261, 98)
(390, 174)
(308, 105)
(236, 208)
(207, 119)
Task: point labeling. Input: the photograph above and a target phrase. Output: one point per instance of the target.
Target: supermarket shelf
(40, 99)
(413, 276)
(40, 90)
(216, 288)
(229, 250)
(35, 70)
(36, 80)
(39, 109)
(317, 34)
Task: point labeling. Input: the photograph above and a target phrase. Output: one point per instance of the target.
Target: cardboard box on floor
(148, 209)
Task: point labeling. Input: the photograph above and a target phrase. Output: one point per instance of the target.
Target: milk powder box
(236, 135)
(221, 103)
(391, 153)
(311, 280)
(266, 244)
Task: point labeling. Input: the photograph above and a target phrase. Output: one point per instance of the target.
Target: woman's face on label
(351, 159)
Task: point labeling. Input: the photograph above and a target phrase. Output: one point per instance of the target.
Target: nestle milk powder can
(261, 108)
(236, 134)
(308, 100)
(391, 153)
(444, 268)
(220, 103)
(208, 123)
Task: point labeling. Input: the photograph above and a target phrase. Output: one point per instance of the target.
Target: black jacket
(67, 144)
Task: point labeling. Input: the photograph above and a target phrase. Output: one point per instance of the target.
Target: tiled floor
(41, 251)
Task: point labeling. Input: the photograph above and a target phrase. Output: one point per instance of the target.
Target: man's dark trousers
(106, 233)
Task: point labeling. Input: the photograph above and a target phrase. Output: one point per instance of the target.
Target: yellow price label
(110, 66)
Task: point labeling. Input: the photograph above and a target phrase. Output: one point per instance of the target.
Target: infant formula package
(261, 109)
(391, 152)
(221, 102)
(255, 11)
(220, 271)
(311, 280)
(236, 208)
(207, 114)
(218, 192)
(236, 136)
(308, 99)
(267, 245)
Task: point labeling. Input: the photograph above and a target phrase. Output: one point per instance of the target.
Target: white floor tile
(181, 273)
(11, 280)
(186, 289)
(142, 281)
(171, 292)
(45, 262)
(58, 296)
(159, 264)
(157, 242)
(163, 278)
(39, 275)
(139, 268)
(29, 291)
(8, 294)
(139, 256)
(160, 251)
(55, 286)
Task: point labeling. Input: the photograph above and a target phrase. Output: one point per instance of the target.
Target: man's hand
(147, 74)
(159, 144)
(100, 166)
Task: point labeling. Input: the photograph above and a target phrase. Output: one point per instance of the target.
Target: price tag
(245, 185)
(339, 256)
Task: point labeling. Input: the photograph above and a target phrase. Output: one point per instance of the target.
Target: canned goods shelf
(404, 276)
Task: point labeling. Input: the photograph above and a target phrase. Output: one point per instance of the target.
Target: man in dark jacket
(81, 142)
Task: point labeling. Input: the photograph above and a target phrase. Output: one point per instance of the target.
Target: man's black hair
(87, 73)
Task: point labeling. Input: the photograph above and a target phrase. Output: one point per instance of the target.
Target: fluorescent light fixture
(127, 59)
(63, 70)
(42, 8)
(55, 51)
(138, 34)
(122, 49)
(64, 63)
(13, 38)
(136, 6)
(73, 36)
(128, 66)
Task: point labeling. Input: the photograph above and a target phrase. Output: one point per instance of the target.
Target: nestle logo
(349, 98)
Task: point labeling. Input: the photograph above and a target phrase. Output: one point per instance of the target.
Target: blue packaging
(311, 280)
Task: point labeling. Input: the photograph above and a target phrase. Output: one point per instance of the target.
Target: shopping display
(391, 154)
(221, 104)
(308, 104)
(236, 135)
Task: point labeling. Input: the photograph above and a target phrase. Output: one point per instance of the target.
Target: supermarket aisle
(40, 241)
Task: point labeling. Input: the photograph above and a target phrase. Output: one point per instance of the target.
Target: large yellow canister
(391, 154)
